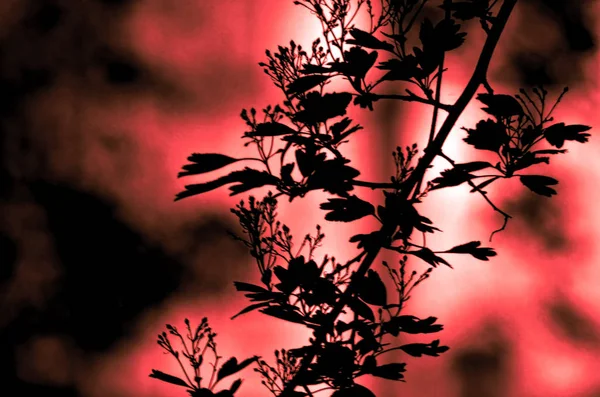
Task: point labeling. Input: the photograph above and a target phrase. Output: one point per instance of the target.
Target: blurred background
(101, 101)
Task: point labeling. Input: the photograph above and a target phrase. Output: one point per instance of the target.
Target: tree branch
(387, 230)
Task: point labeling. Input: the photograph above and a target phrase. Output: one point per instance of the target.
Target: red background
(524, 324)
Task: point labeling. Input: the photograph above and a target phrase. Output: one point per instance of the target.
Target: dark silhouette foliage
(300, 149)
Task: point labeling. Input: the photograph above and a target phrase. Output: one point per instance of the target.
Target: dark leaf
(473, 248)
(473, 166)
(499, 105)
(451, 177)
(392, 371)
(272, 129)
(168, 378)
(202, 392)
(483, 184)
(266, 277)
(429, 349)
(557, 134)
(250, 308)
(447, 35)
(235, 386)
(339, 127)
(246, 287)
(530, 134)
(248, 179)
(333, 176)
(353, 391)
(288, 282)
(411, 325)
(318, 109)
(205, 162)
(367, 40)
(347, 209)
(361, 308)
(539, 184)
(287, 314)
(358, 62)
(286, 174)
(372, 290)
(305, 83)
(315, 69)
(487, 135)
(527, 160)
(232, 366)
(428, 256)
(367, 241)
(308, 161)
(400, 69)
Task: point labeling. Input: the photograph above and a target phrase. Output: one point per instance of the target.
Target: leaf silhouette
(235, 386)
(248, 179)
(539, 184)
(473, 166)
(272, 129)
(251, 307)
(429, 349)
(305, 83)
(411, 325)
(451, 177)
(557, 134)
(361, 308)
(487, 135)
(392, 371)
(347, 209)
(232, 366)
(473, 248)
(318, 109)
(428, 256)
(247, 287)
(358, 62)
(500, 105)
(287, 314)
(364, 39)
(400, 69)
(168, 378)
(372, 290)
(205, 162)
(447, 35)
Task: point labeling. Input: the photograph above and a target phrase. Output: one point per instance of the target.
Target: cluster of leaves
(196, 345)
(299, 147)
(516, 134)
(305, 293)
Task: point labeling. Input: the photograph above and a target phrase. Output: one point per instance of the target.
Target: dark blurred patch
(572, 20)
(116, 3)
(8, 257)
(122, 72)
(110, 273)
(482, 370)
(214, 259)
(44, 16)
(562, 63)
(571, 323)
(541, 218)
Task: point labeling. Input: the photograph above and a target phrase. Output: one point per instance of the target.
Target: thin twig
(484, 194)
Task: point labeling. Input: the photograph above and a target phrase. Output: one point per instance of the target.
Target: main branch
(479, 77)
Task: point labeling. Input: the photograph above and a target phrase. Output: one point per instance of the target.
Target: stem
(478, 77)
(438, 95)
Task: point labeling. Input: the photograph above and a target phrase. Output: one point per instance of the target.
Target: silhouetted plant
(353, 317)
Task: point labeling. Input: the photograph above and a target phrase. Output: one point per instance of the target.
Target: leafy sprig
(353, 317)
